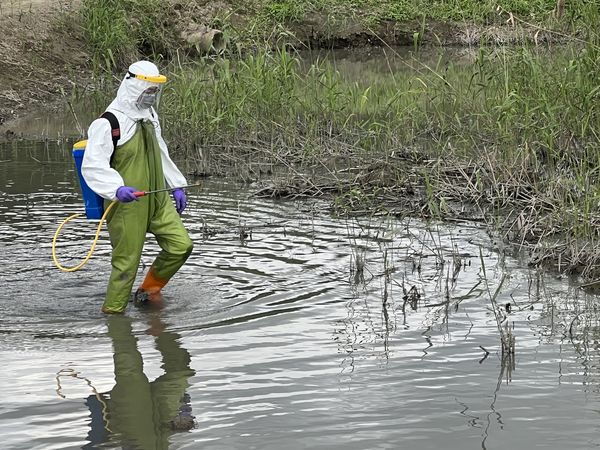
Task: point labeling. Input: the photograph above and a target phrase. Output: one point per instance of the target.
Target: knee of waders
(180, 247)
(184, 248)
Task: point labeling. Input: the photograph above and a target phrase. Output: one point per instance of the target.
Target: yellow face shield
(159, 79)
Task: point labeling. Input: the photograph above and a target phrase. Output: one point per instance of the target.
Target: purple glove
(180, 200)
(125, 194)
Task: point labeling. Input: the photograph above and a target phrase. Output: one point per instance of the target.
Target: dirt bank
(42, 55)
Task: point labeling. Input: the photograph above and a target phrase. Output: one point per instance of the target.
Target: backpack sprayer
(94, 208)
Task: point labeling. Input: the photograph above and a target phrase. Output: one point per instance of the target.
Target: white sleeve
(173, 175)
(95, 168)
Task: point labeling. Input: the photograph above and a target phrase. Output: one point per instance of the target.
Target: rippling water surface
(286, 329)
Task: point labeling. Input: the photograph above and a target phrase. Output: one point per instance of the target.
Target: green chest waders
(138, 161)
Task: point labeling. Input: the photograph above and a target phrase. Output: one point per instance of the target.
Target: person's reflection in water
(140, 413)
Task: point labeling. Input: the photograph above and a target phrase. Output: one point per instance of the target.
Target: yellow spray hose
(90, 253)
(102, 220)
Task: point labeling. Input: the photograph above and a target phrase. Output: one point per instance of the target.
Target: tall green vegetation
(545, 100)
(273, 98)
(118, 31)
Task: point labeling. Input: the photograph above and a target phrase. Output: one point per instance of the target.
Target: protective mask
(147, 98)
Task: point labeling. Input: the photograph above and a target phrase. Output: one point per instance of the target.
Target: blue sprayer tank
(94, 204)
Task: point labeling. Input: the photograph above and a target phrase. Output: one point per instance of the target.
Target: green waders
(138, 161)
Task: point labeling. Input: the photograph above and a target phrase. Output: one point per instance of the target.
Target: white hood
(131, 88)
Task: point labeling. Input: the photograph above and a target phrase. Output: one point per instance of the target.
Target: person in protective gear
(138, 161)
(138, 412)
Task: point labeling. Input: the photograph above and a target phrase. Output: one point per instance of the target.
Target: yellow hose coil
(89, 254)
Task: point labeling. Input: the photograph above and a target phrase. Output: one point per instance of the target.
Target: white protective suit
(96, 170)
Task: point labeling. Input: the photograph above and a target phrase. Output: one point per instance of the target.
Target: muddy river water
(287, 329)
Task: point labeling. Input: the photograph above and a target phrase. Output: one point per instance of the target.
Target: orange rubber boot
(150, 289)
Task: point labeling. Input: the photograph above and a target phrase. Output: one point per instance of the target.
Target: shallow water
(275, 340)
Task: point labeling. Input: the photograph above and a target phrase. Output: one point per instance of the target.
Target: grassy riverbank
(118, 29)
(514, 133)
(510, 136)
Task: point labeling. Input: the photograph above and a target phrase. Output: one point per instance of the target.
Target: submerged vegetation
(509, 135)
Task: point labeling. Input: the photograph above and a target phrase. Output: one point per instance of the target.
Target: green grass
(272, 94)
(478, 11)
(120, 31)
(369, 12)
(286, 10)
